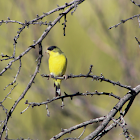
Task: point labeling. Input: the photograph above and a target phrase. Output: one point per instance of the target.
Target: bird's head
(53, 50)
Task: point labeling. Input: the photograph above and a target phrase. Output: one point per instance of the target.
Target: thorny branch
(94, 77)
(8, 93)
(124, 20)
(117, 121)
(24, 92)
(84, 124)
(113, 112)
(15, 78)
(71, 97)
(25, 24)
(103, 128)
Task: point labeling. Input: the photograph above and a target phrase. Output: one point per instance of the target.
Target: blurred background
(114, 53)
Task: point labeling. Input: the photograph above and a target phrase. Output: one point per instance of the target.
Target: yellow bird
(57, 65)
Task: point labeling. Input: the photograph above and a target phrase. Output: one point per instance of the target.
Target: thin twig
(15, 78)
(123, 21)
(135, 3)
(9, 92)
(82, 132)
(25, 109)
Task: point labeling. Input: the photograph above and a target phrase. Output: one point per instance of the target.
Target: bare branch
(71, 97)
(82, 132)
(123, 21)
(70, 6)
(25, 109)
(113, 112)
(17, 58)
(137, 41)
(103, 127)
(115, 121)
(15, 78)
(9, 93)
(24, 92)
(94, 77)
(84, 124)
(42, 36)
(53, 23)
(135, 3)
(128, 106)
(11, 21)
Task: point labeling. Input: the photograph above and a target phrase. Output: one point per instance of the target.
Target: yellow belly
(57, 64)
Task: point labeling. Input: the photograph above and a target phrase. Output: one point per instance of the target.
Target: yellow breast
(57, 64)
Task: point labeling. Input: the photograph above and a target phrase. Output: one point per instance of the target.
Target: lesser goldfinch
(57, 66)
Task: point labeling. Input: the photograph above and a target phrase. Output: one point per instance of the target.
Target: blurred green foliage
(114, 53)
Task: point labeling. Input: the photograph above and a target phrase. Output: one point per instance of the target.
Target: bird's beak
(47, 51)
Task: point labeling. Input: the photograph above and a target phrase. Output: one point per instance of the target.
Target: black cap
(51, 48)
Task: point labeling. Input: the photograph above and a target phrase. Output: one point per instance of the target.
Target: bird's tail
(57, 88)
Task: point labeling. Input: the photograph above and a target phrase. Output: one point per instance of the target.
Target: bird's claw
(50, 76)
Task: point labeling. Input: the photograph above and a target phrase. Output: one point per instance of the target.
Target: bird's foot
(50, 76)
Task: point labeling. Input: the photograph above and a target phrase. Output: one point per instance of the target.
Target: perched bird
(57, 65)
